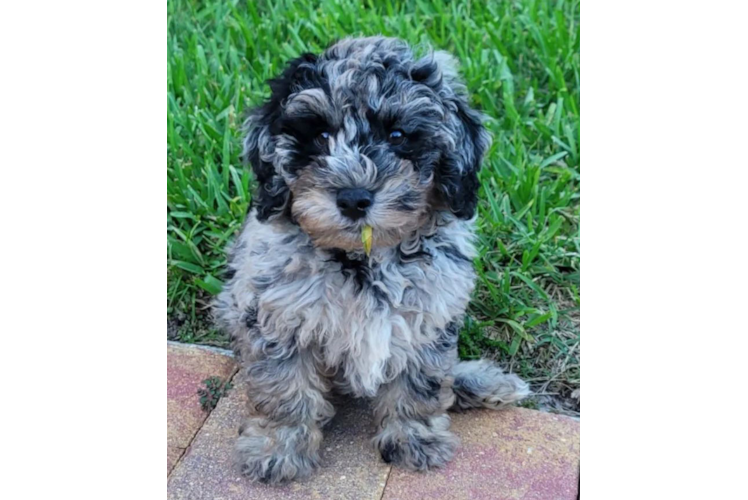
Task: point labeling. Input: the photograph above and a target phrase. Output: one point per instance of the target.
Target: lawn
(520, 60)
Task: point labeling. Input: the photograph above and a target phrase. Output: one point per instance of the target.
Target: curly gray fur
(307, 311)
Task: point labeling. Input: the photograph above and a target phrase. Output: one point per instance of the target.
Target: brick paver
(187, 367)
(350, 470)
(512, 454)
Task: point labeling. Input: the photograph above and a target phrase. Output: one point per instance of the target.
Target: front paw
(417, 447)
(284, 457)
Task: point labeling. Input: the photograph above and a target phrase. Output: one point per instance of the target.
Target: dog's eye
(397, 137)
(322, 139)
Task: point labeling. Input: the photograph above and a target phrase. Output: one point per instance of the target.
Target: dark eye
(397, 137)
(322, 139)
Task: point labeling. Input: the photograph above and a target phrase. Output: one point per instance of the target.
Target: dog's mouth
(355, 238)
(384, 223)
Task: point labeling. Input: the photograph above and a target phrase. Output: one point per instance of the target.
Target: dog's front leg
(412, 420)
(280, 441)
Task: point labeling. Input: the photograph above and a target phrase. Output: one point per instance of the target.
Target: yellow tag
(366, 239)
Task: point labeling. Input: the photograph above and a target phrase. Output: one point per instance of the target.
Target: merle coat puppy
(363, 137)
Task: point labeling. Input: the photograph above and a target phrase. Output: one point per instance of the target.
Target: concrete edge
(178, 459)
(217, 350)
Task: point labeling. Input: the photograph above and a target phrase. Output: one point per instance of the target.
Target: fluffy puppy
(365, 135)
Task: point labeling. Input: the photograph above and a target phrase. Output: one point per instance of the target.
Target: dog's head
(365, 134)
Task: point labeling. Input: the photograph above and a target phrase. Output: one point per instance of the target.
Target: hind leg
(482, 384)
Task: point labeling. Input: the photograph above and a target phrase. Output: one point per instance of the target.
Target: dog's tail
(482, 384)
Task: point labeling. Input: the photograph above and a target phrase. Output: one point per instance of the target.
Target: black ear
(457, 173)
(272, 196)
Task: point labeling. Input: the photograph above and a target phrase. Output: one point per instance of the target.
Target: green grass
(521, 63)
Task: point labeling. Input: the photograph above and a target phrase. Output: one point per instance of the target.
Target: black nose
(354, 202)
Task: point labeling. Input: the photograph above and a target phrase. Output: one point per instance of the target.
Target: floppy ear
(272, 196)
(457, 172)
